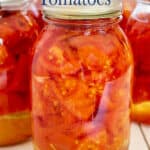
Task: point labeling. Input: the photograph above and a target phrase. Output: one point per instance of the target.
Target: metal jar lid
(82, 9)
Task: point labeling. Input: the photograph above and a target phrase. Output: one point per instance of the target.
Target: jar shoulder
(14, 24)
(107, 37)
(65, 51)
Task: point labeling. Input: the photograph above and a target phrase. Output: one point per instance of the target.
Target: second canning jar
(81, 79)
(18, 31)
(138, 32)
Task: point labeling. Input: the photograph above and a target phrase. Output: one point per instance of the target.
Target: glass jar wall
(18, 31)
(81, 85)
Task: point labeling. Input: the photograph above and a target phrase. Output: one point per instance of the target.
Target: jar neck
(13, 4)
(79, 24)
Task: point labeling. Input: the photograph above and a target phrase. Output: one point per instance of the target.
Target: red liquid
(81, 79)
(138, 31)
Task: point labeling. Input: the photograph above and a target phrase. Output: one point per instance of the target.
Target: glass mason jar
(18, 31)
(128, 7)
(81, 80)
(138, 31)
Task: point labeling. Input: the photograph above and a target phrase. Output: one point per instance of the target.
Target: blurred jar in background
(138, 31)
(38, 3)
(35, 9)
(81, 80)
(128, 6)
(18, 31)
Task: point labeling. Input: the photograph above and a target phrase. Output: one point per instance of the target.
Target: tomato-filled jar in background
(81, 79)
(38, 3)
(35, 10)
(138, 31)
(18, 31)
(128, 7)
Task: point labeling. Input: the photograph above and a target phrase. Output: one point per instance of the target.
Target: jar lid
(13, 4)
(82, 9)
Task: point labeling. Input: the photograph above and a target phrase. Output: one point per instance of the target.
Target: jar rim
(82, 17)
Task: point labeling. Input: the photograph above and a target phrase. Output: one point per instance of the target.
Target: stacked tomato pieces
(80, 99)
(16, 39)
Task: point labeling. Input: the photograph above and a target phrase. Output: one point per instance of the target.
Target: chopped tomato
(93, 142)
(59, 61)
(92, 58)
(79, 103)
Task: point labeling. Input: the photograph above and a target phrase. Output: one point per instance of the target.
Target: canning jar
(138, 31)
(128, 7)
(18, 31)
(81, 80)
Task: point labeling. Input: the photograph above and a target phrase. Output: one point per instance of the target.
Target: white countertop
(140, 140)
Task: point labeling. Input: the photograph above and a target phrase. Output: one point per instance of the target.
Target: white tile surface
(24, 146)
(146, 130)
(137, 141)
